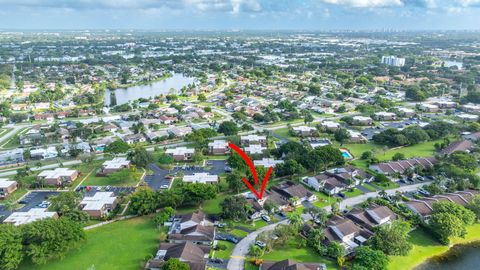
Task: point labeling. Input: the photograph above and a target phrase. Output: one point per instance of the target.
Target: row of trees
(145, 201)
(40, 241)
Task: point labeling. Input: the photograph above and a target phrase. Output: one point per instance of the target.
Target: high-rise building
(393, 61)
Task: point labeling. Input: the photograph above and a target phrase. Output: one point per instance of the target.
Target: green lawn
(306, 254)
(425, 149)
(94, 180)
(358, 148)
(355, 192)
(238, 233)
(224, 254)
(284, 132)
(369, 187)
(323, 199)
(121, 245)
(213, 206)
(424, 247)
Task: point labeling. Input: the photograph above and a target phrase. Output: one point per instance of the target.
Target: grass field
(355, 192)
(424, 247)
(121, 245)
(425, 149)
(94, 180)
(306, 254)
(224, 254)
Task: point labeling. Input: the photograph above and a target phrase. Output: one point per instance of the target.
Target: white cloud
(365, 3)
(467, 3)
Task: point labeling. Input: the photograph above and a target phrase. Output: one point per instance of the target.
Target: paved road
(237, 260)
(15, 128)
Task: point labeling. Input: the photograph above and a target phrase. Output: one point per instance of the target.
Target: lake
(460, 257)
(124, 95)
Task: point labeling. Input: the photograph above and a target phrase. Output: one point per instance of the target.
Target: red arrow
(254, 172)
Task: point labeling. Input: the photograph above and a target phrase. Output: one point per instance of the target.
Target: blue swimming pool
(346, 154)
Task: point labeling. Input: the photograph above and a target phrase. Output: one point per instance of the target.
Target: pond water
(124, 95)
(461, 257)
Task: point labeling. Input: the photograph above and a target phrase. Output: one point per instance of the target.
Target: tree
(143, 201)
(255, 251)
(50, 239)
(319, 215)
(463, 160)
(140, 156)
(117, 147)
(289, 167)
(392, 238)
(398, 156)
(446, 225)
(308, 118)
(235, 182)
(11, 253)
(67, 199)
(163, 216)
(315, 238)
(342, 135)
(474, 206)
(202, 98)
(235, 207)
(175, 264)
(366, 155)
(197, 193)
(367, 258)
(335, 250)
(295, 219)
(228, 128)
(467, 216)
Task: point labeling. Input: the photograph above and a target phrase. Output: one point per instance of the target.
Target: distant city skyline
(240, 14)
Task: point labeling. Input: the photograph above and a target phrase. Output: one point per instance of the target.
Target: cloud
(365, 3)
(233, 6)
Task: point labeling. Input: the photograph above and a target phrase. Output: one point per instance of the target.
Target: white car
(260, 244)
(266, 218)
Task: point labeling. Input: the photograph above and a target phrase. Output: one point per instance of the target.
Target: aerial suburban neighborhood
(238, 149)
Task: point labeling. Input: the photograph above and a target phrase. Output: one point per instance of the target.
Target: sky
(240, 14)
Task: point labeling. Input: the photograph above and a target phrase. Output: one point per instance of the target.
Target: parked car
(266, 218)
(260, 244)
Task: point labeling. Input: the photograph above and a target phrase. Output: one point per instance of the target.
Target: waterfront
(459, 257)
(125, 95)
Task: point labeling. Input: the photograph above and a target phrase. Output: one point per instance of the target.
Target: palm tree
(382, 193)
(295, 220)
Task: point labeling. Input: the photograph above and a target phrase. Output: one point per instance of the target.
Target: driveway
(237, 260)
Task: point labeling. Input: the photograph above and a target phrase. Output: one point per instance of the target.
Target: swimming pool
(346, 154)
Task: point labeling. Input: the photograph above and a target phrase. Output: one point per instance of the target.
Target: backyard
(424, 247)
(121, 245)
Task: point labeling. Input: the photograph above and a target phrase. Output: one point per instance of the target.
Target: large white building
(204, 178)
(34, 214)
(393, 61)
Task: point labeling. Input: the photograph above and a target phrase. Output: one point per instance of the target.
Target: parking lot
(31, 200)
(91, 190)
(158, 181)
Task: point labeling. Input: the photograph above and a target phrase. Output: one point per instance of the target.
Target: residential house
(134, 138)
(346, 232)
(204, 178)
(218, 147)
(114, 165)
(385, 116)
(359, 120)
(254, 149)
(372, 216)
(290, 264)
(253, 139)
(7, 187)
(463, 145)
(196, 256)
(179, 131)
(330, 125)
(267, 162)
(289, 190)
(58, 176)
(180, 153)
(406, 112)
(400, 166)
(99, 205)
(34, 214)
(430, 108)
(304, 131)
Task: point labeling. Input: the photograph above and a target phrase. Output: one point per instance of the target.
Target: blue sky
(240, 14)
